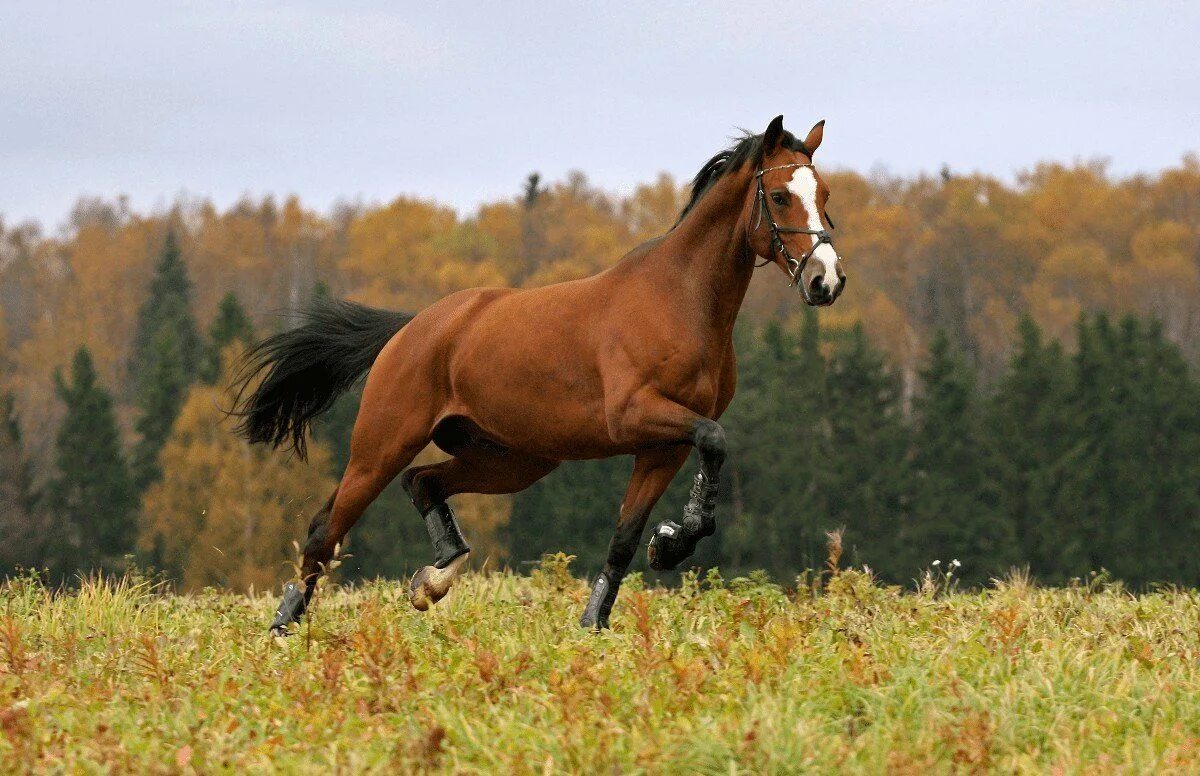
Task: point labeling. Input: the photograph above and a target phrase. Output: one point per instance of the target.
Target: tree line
(970, 399)
(1067, 464)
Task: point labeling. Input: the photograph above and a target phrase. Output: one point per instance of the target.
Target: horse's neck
(708, 255)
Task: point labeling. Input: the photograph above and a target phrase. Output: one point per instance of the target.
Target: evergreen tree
(1127, 497)
(168, 356)
(777, 441)
(232, 324)
(92, 498)
(168, 305)
(163, 391)
(866, 474)
(954, 514)
(21, 540)
(533, 225)
(1028, 426)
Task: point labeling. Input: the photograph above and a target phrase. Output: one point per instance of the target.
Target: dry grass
(716, 677)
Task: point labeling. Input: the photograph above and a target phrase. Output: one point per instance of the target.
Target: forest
(1008, 381)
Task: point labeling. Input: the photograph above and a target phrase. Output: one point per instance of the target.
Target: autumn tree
(224, 512)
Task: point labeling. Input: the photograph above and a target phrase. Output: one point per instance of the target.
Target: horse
(635, 360)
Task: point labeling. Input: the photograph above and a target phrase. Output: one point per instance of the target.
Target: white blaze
(804, 186)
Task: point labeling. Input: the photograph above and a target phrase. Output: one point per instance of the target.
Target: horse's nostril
(818, 285)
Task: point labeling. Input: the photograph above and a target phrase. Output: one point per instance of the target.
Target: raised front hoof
(280, 632)
(430, 584)
(668, 547)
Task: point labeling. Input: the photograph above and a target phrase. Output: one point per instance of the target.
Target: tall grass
(739, 676)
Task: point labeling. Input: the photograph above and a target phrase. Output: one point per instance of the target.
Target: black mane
(743, 149)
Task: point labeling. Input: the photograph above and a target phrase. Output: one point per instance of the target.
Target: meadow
(837, 673)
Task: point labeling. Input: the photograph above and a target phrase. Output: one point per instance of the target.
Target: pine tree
(866, 471)
(232, 324)
(1028, 427)
(21, 541)
(954, 514)
(777, 441)
(168, 305)
(1127, 495)
(92, 498)
(167, 358)
(163, 390)
(533, 217)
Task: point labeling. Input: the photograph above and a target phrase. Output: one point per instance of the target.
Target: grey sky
(459, 101)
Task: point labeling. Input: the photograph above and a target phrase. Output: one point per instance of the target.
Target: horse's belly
(533, 389)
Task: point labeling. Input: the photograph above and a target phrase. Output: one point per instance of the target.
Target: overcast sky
(459, 101)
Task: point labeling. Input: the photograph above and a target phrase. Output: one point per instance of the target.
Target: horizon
(165, 204)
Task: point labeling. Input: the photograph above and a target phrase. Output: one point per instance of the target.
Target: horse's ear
(772, 136)
(813, 141)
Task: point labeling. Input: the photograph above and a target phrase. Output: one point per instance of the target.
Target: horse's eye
(779, 199)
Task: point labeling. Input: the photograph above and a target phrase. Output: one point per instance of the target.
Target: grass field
(715, 677)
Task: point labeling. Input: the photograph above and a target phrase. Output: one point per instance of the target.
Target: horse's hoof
(592, 623)
(279, 632)
(667, 546)
(291, 608)
(430, 584)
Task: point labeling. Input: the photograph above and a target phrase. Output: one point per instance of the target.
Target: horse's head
(786, 214)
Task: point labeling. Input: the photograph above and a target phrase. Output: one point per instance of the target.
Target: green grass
(716, 677)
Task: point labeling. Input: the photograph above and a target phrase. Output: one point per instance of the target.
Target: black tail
(308, 367)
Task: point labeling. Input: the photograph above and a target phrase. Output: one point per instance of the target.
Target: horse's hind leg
(475, 468)
(372, 466)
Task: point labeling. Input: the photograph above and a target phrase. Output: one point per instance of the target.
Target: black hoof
(668, 546)
(290, 609)
(593, 623)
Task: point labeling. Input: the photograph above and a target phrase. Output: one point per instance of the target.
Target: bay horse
(636, 360)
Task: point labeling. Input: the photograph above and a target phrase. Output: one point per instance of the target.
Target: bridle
(795, 266)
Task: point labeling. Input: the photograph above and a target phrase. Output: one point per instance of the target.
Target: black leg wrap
(672, 543)
(699, 514)
(600, 604)
(448, 541)
(295, 601)
(669, 546)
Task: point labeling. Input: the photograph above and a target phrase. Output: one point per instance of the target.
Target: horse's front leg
(671, 542)
(652, 473)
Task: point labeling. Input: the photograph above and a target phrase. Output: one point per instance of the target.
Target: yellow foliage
(412, 252)
(224, 512)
